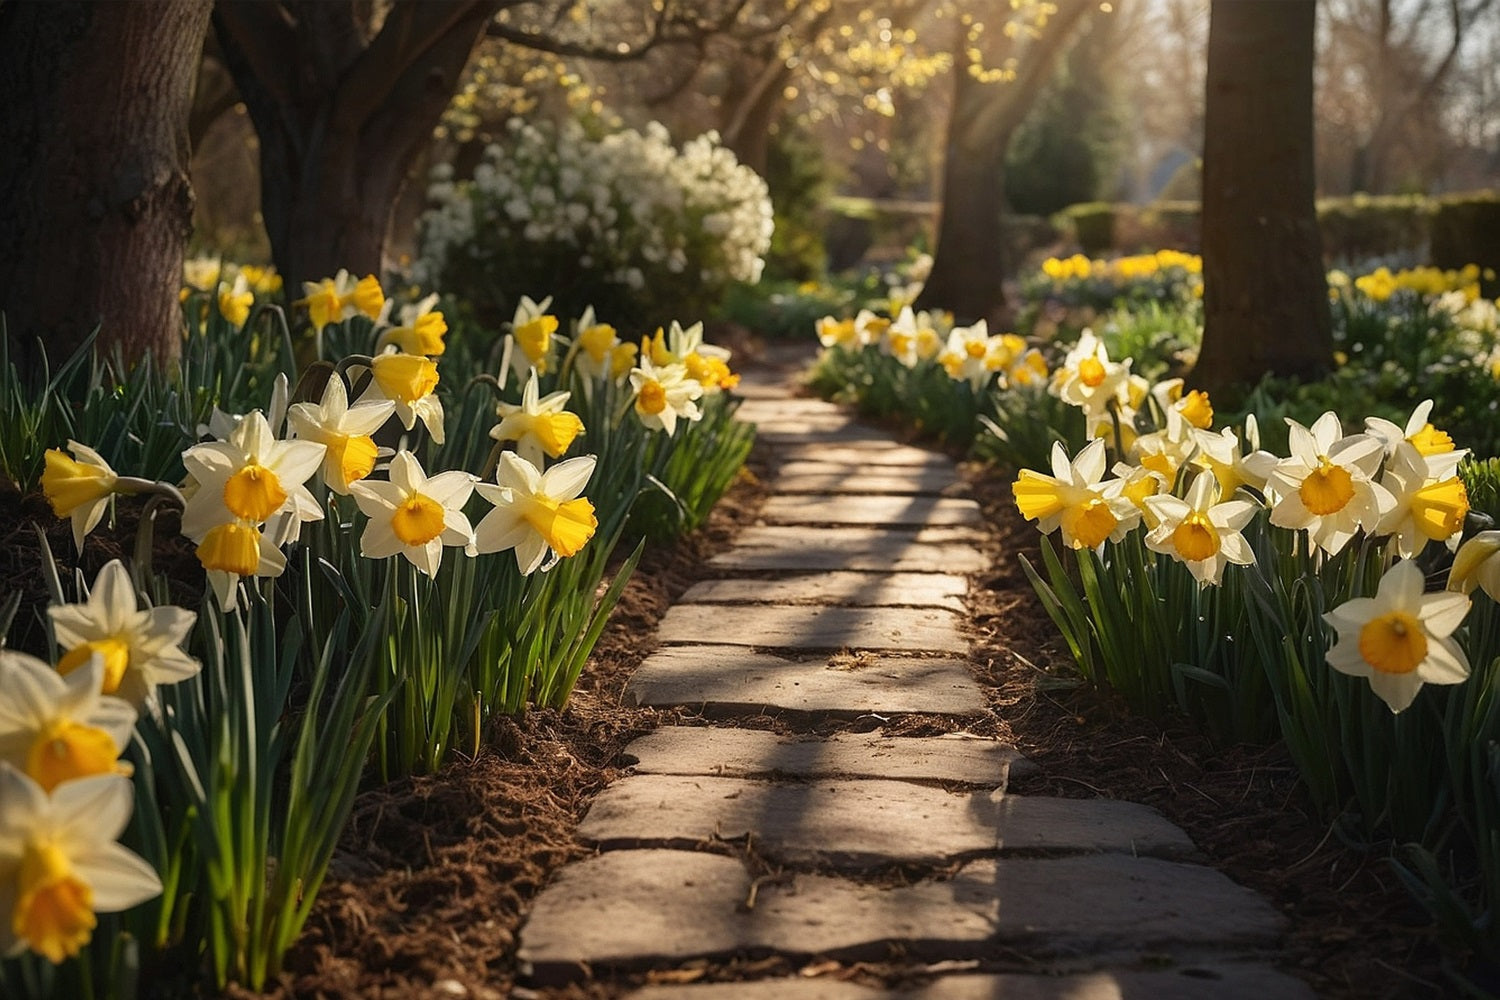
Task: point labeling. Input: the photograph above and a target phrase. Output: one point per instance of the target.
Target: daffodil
(536, 512)
(709, 367)
(140, 647)
(1325, 486)
(413, 514)
(201, 274)
(973, 356)
(1401, 637)
(1202, 534)
(328, 300)
(235, 301)
(664, 395)
(531, 331)
(235, 549)
(596, 345)
(1089, 380)
(421, 331)
(870, 327)
(1428, 440)
(343, 431)
(1426, 508)
(1138, 484)
(1477, 564)
(56, 728)
(835, 332)
(538, 425)
(250, 476)
(60, 864)
(408, 380)
(366, 297)
(78, 488)
(1073, 499)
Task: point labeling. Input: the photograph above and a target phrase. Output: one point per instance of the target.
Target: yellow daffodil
(665, 394)
(60, 865)
(78, 488)
(1428, 440)
(201, 274)
(870, 327)
(537, 513)
(250, 476)
(1401, 637)
(343, 431)
(236, 549)
(834, 332)
(1426, 507)
(413, 514)
(538, 425)
(140, 647)
(421, 331)
(531, 331)
(328, 300)
(1073, 499)
(596, 344)
(1325, 485)
(1089, 380)
(1202, 534)
(408, 381)
(56, 728)
(235, 301)
(366, 297)
(1477, 564)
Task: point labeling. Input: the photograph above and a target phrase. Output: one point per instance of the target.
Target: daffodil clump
(1166, 276)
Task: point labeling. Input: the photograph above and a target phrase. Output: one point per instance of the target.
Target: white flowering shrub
(626, 223)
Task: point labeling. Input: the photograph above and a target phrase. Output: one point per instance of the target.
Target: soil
(435, 874)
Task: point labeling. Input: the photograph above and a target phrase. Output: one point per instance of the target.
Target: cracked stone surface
(768, 626)
(634, 908)
(865, 590)
(735, 678)
(860, 824)
(956, 758)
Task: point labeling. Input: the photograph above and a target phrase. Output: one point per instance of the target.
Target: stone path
(846, 603)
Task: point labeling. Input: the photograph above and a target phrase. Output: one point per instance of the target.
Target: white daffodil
(56, 728)
(1477, 563)
(414, 515)
(1326, 485)
(664, 395)
(537, 513)
(1089, 380)
(421, 331)
(329, 300)
(834, 332)
(78, 488)
(972, 355)
(235, 549)
(408, 381)
(343, 431)
(1139, 483)
(1401, 637)
(597, 343)
(140, 647)
(60, 865)
(249, 477)
(531, 331)
(1203, 534)
(870, 327)
(1073, 499)
(538, 425)
(899, 340)
(1428, 440)
(1426, 508)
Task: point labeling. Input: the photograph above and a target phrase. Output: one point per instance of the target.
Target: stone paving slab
(735, 679)
(893, 480)
(749, 753)
(888, 550)
(858, 824)
(865, 590)
(855, 509)
(634, 908)
(1209, 981)
(873, 450)
(816, 436)
(797, 626)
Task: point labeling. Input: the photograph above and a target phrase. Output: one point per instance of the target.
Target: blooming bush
(624, 222)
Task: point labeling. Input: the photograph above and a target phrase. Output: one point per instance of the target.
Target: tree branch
(665, 30)
(263, 40)
(411, 30)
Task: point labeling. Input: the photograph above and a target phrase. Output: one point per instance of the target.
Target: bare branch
(410, 32)
(665, 30)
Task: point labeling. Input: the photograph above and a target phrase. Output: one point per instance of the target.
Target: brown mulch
(435, 874)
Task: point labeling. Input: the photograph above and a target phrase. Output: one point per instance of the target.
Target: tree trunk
(95, 202)
(1265, 291)
(968, 264)
(341, 117)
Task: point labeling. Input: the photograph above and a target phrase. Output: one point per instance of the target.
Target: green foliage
(799, 184)
(1093, 225)
(1466, 230)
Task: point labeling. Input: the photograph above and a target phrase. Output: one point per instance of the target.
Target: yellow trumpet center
(1037, 496)
(114, 652)
(351, 456)
(598, 341)
(1197, 410)
(1195, 537)
(69, 484)
(556, 431)
(1090, 523)
(254, 493)
(975, 349)
(535, 338)
(65, 749)
(1091, 372)
(1431, 441)
(1327, 489)
(405, 377)
(1440, 508)
(1393, 643)
(564, 526)
(54, 909)
(231, 548)
(418, 520)
(652, 398)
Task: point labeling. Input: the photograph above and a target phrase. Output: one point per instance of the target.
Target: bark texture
(1265, 291)
(968, 261)
(95, 202)
(342, 111)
